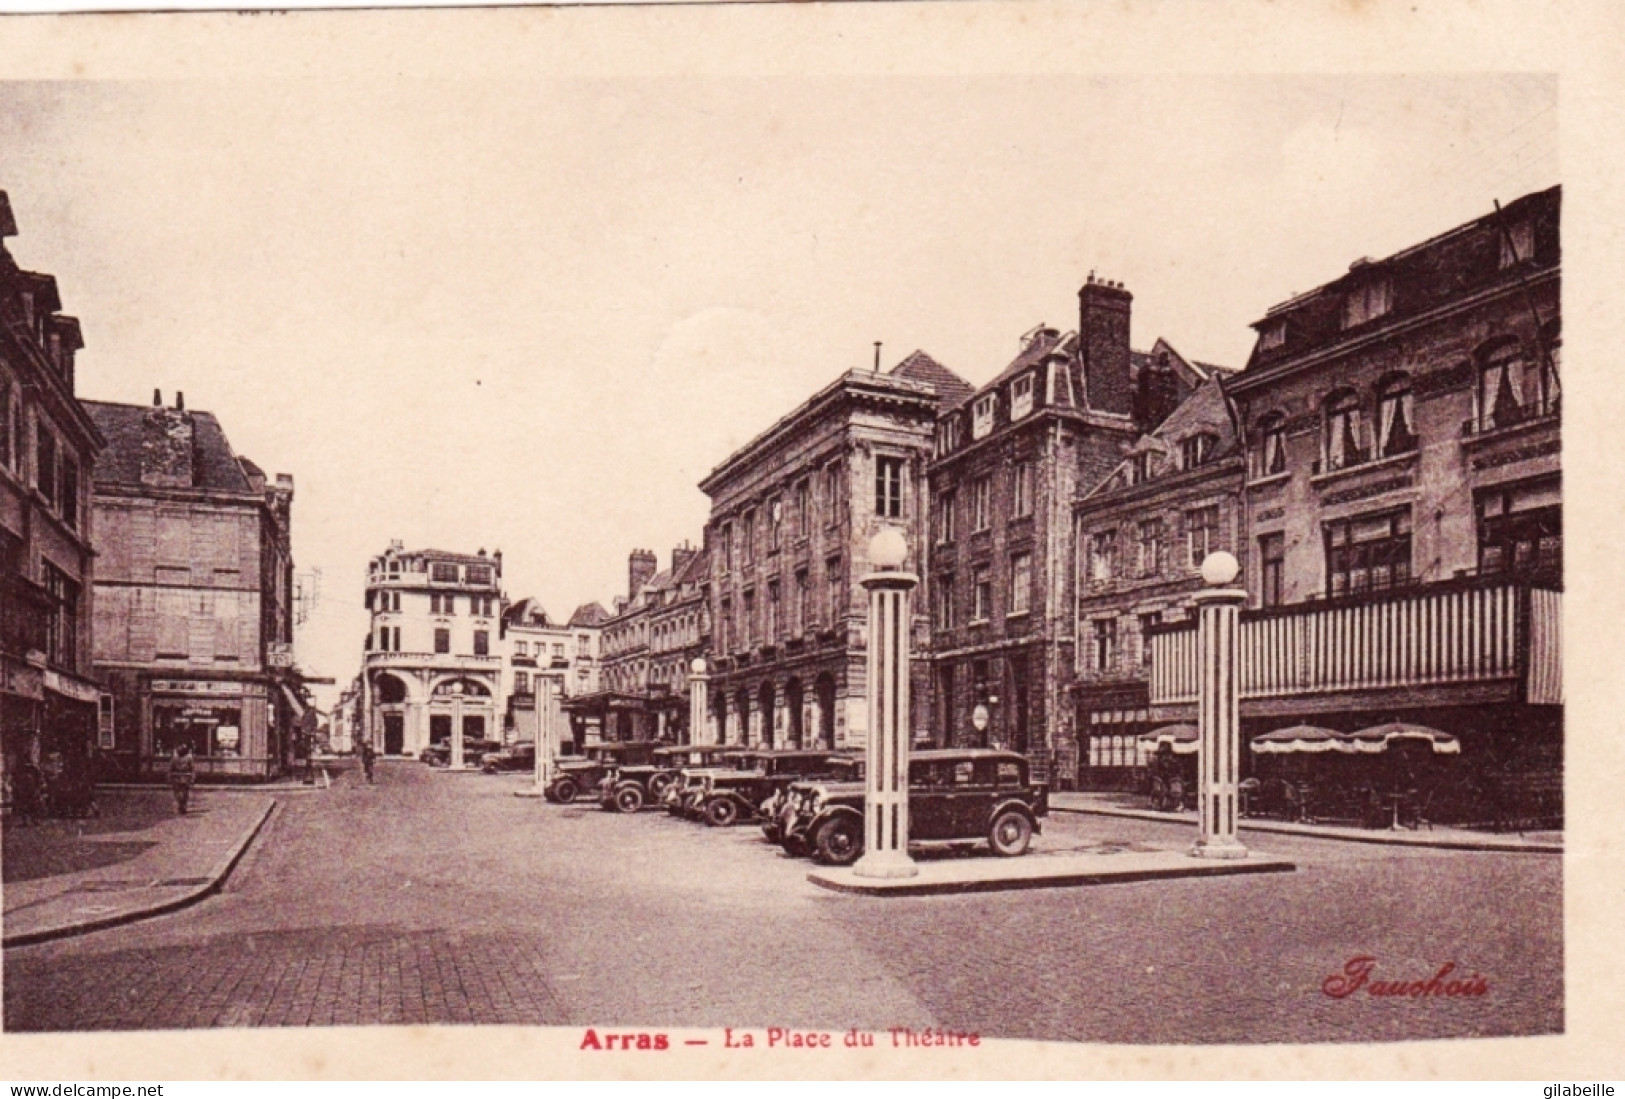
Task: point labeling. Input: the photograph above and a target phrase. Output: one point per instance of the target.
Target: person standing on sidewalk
(367, 757)
(182, 769)
(27, 789)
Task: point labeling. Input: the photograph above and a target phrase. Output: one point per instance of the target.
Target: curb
(1068, 879)
(217, 879)
(1284, 829)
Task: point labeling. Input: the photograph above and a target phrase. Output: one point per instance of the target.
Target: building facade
(535, 649)
(792, 514)
(1403, 504)
(1140, 538)
(48, 445)
(433, 664)
(679, 633)
(194, 597)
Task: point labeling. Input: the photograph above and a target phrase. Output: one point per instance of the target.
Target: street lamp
(885, 801)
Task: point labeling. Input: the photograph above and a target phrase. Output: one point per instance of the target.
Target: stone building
(48, 445)
(1403, 498)
(1139, 540)
(194, 596)
(1011, 459)
(433, 661)
(792, 513)
(679, 633)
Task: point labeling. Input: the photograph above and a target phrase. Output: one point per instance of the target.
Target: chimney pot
(157, 398)
(180, 401)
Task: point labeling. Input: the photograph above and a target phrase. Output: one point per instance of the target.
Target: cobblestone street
(438, 897)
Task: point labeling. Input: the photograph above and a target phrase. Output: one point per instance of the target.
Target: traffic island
(1044, 871)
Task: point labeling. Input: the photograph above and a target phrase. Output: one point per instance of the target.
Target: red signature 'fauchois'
(1357, 975)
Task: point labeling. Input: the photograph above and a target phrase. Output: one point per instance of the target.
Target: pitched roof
(589, 614)
(527, 612)
(920, 367)
(215, 464)
(693, 569)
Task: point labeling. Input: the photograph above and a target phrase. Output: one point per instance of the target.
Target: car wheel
(629, 799)
(721, 812)
(840, 842)
(1011, 834)
(657, 787)
(565, 790)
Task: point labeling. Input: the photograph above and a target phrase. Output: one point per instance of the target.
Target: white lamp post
(1218, 718)
(699, 730)
(885, 802)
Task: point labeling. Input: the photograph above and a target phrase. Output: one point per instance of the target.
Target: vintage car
(957, 797)
(572, 776)
(729, 796)
(518, 756)
(628, 787)
(781, 812)
(438, 754)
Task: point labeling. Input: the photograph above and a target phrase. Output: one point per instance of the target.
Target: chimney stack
(168, 447)
(1103, 342)
(640, 569)
(681, 556)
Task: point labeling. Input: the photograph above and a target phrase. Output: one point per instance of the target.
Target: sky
(532, 315)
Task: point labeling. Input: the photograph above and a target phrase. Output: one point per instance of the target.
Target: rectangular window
(520, 648)
(70, 492)
(558, 649)
(833, 495)
(583, 645)
(1520, 529)
(1102, 556)
(945, 517)
(944, 602)
(441, 573)
(1021, 489)
(747, 536)
(1517, 243)
(726, 628)
(981, 503)
(521, 683)
(889, 487)
(772, 611)
(1195, 450)
(1021, 396)
(6, 430)
(1153, 548)
(1272, 335)
(479, 574)
(1367, 302)
(982, 416)
(750, 618)
(62, 627)
(982, 594)
(1368, 553)
(1201, 533)
(442, 640)
(45, 467)
(836, 592)
(1021, 583)
(804, 607)
(803, 516)
(1148, 622)
(1272, 568)
(482, 643)
(948, 432)
(775, 523)
(1105, 644)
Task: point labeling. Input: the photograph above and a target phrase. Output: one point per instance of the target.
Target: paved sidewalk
(138, 859)
(1461, 839)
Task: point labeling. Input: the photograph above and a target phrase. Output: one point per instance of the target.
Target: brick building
(194, 596)
(1403, 499)
(679, 632)
(792, 513)
(535, 647)
(48, 701)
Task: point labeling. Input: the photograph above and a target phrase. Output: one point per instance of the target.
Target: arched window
(1395, 433)
(1271, 455)
(1345, 431)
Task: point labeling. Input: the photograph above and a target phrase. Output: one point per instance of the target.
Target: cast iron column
(1218, 710)
(885, 803)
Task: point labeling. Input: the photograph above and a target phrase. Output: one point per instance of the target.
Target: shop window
(1272, 558)
(1368, 553)
(1394, 417)
(1520, 529)
(1345, 431)
(1271, 456)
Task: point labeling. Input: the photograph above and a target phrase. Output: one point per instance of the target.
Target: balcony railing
(1410, 639)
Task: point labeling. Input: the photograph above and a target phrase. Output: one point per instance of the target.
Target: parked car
(783, 810)
(628, 787)
(686, 791)
(438, 754)
(571, 776)
(742, 794)
(957, 797)
(518, 756)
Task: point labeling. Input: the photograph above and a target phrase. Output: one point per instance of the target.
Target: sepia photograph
(645, 549)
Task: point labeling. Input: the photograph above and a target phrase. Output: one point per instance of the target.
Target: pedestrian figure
(182, 769)
(367, 757)
(27, 789)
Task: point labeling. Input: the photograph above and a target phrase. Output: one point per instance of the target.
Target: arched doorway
(824, 694)
(389, 695)
(793, 703)
(765, 699)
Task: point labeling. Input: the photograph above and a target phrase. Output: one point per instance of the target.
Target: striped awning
(1379, 737)
(1183, 739)
(1301, 738)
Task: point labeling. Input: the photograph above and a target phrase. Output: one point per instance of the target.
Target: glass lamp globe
(888, 550)
(1220, 568)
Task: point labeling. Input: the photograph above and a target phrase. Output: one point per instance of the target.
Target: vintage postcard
(925, 540)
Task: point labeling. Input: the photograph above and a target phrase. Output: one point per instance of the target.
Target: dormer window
(948, 435)
(1139, 467)
(1196, 450)
(1367, 301)
(1272, 335)
(982, 416)
(1021, 396)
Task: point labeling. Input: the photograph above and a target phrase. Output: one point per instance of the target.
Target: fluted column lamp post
(1218, 718)
(699, 729)
(885, 803)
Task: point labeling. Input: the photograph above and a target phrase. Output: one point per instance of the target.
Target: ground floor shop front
(48, 721)
(239, 728)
